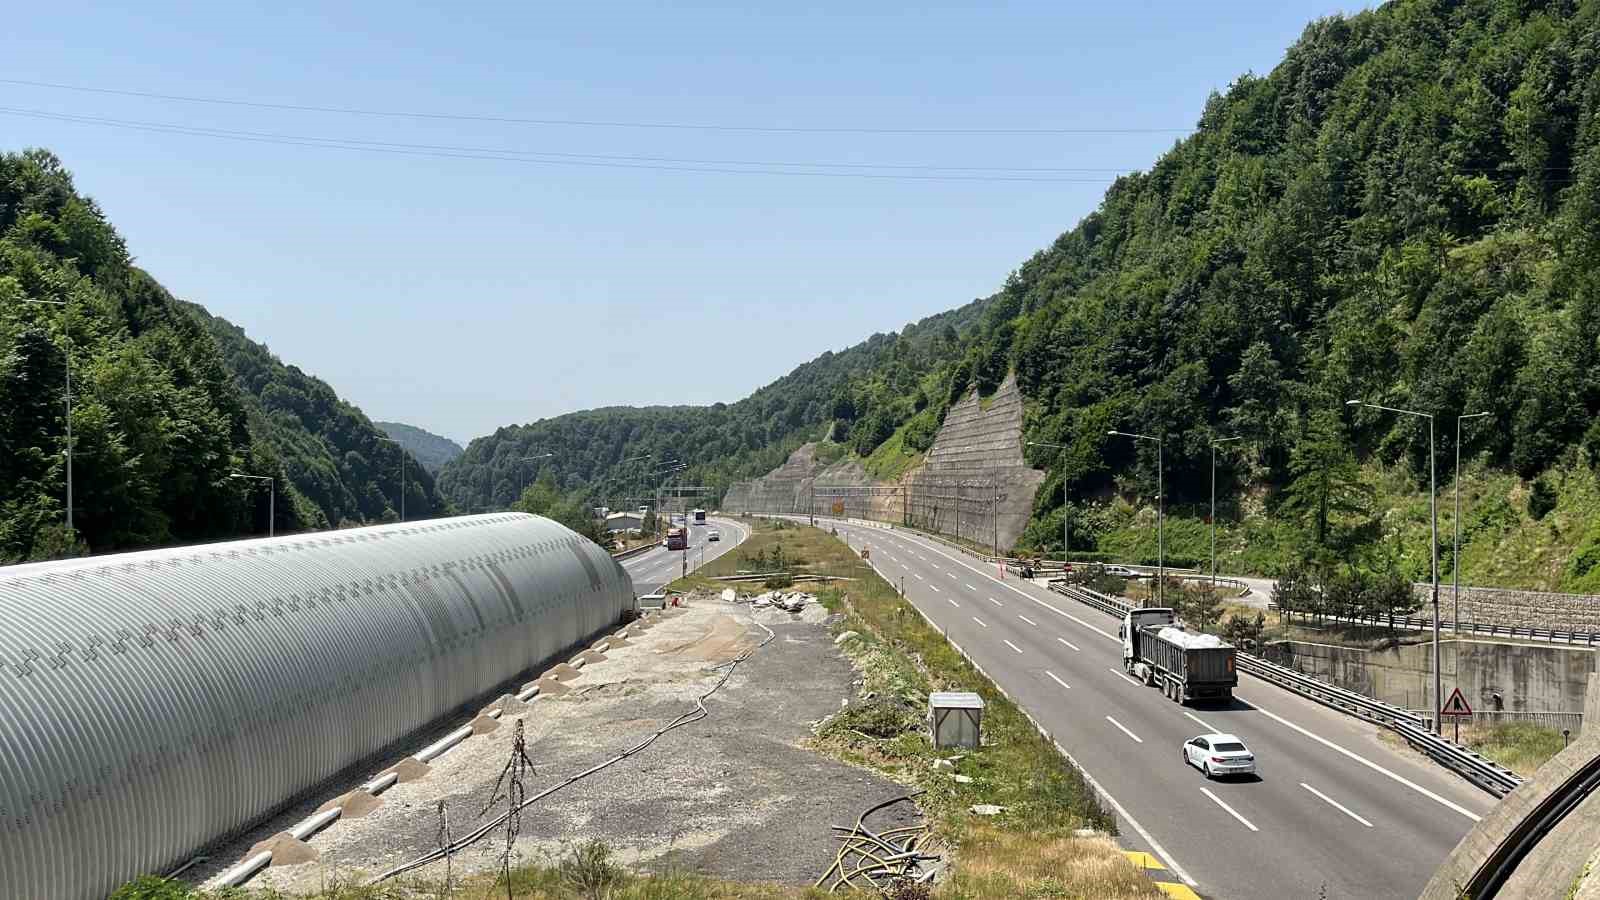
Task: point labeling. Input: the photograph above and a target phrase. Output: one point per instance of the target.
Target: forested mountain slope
(346, 468)
(156, 421)
(1406, 211)
(868, 388)
(429, 449)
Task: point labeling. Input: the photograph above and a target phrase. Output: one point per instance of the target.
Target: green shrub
(1541, 499)
(152, 887)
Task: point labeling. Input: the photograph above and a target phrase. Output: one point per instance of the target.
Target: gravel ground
(734, 795)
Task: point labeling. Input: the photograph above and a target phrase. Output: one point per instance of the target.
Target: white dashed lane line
(1124, 729)
(1057, 680)
(979, 621)
(1067, 642)
(1336, 804)
(1012, 646)
(1230, 810)
(1028, 620)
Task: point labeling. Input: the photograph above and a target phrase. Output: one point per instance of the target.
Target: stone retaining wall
(1504, 606)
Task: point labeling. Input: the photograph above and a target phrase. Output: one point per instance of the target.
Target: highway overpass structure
(1334, 809)
(154, 702)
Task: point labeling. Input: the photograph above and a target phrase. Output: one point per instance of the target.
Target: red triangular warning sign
(1456, 705)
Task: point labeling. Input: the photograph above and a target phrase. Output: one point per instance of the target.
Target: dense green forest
(159, 420)
(345, 470)
(723, 442)
(157, 424)
(432, 451)
(1405, 211)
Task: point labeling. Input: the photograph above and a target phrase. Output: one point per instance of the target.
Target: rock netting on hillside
(974, 483)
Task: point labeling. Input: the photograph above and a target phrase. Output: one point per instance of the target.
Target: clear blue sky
(462, 294)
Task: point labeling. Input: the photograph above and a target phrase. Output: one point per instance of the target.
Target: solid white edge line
(1150, 840)
(1201, 721)
(1230, 810)
(1028, 620)
(1012, 646)
(1069, 644)
(1336, 804)
(1057, 680)
(979, 621)
(1136, 738)
(1365, 762)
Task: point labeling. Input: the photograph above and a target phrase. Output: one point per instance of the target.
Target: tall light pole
(68, 355)
(1455, 557)
(1063, 501)
(1161, 505)
(521, 474)
(1433, 513)
(402, 449)
(1214, 507)
(272, 497)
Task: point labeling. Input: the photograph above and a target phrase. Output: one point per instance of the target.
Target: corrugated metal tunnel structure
(153, 702)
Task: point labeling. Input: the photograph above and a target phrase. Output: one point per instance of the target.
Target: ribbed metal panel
(153, 702)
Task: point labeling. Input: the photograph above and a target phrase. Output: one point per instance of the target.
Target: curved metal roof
(152, 702)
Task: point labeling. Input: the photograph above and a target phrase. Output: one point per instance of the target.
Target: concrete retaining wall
(1525, 676)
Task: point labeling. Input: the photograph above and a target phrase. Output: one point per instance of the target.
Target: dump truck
(677, 538)
(1186, 665)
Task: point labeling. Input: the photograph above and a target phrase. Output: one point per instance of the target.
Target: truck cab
(1135, 619)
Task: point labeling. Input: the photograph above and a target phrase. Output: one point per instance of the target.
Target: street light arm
(1142, 437)
(1404, 412)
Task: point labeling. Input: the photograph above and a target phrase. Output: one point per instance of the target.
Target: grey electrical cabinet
(956, 718)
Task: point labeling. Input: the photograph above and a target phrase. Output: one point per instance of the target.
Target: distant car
(1123, 571)
(715, 535)
(1219, 755)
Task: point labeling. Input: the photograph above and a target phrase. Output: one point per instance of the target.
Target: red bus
(677, 538)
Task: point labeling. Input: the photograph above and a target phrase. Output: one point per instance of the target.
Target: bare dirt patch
(735, 795)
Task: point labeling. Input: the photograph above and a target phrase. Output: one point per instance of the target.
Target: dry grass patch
(999, 864)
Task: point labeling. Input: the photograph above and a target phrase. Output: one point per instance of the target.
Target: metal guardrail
(636, 551)
(1492, 629)
(1497, 869)
(1490, 776)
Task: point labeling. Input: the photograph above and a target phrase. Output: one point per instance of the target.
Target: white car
(1219, 755)
(715, 535)
(1123, 571)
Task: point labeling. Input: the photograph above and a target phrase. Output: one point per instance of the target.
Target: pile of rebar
(881, 860)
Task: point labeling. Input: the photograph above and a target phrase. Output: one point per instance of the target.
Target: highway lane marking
(950, 573)
(1057, 680)
(971, 588)
(1201, 721)
(1125, 677)
(1121, 811)
(1069, 644)
(1336, 804)
(1230, 810)
(1012, 646)
(919, 577)
(1027, 596)
(934, 588)
(979, 621)
(1365, 762)
(996, 602)
(953, 602)
(1028, 620)
(1136, 738)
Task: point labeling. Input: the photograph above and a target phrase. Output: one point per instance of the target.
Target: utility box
(956, 718)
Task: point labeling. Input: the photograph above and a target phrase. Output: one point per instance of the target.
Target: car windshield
(1228, 746)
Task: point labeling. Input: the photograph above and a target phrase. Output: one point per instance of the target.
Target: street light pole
(1063, 501)
(68, 359)
(400, 447)
(1161, 506)
(272, 498)
(521, 474)
(1214, 507)
(1433, 514)
(1455, 556)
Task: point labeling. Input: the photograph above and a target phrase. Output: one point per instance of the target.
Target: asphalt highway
(1334, 812)
(660, 566)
